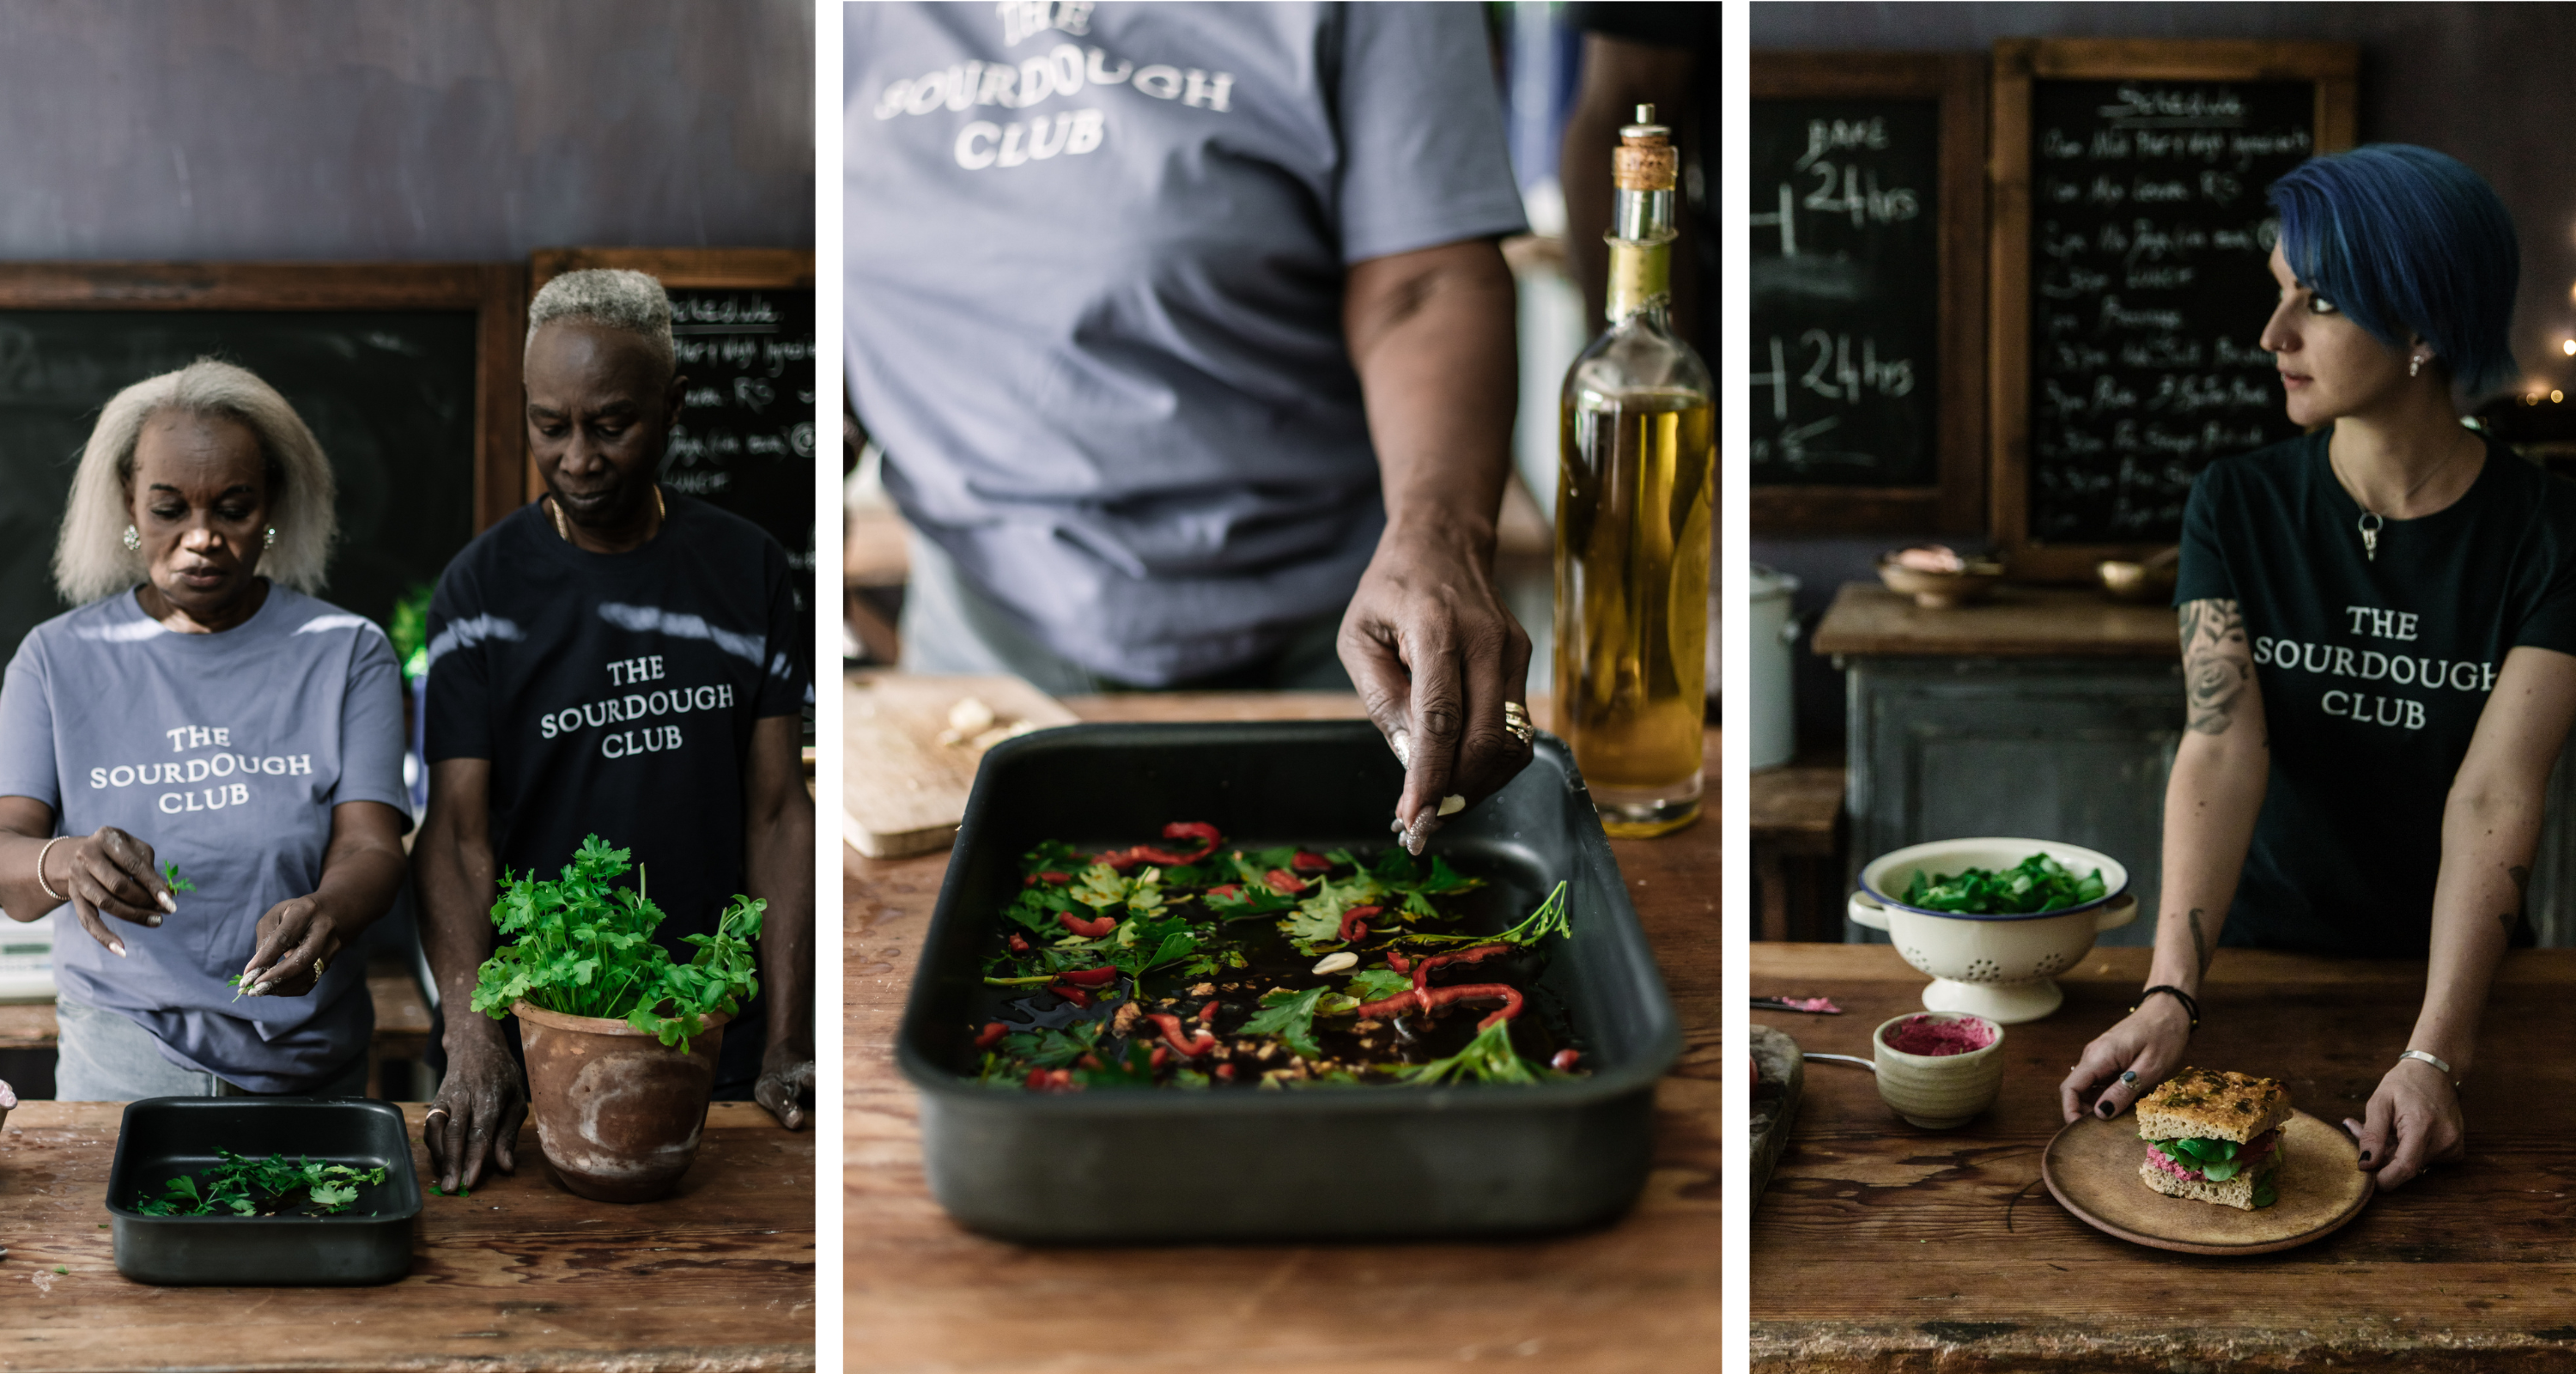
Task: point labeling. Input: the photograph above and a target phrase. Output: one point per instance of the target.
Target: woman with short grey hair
(203, 760)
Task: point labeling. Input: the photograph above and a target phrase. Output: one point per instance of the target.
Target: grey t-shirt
(225, 753)
(1094, 271)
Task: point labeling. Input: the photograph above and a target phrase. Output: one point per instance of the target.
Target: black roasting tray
(1351, 1163)
(163, 1137)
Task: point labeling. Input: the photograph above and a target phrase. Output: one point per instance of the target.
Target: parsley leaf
(1291, 1017)
(1377, 984)
(1489, 1058)
(170, 877)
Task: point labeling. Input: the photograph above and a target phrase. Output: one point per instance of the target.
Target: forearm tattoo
(2217, 664)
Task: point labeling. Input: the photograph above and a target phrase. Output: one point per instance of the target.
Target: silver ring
(2129, 1076)
(40, 868)
(434, 1111)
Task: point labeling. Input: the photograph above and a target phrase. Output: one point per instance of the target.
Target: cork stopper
(1645, 160)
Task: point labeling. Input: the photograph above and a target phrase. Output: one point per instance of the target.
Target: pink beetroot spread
(1923, 1035)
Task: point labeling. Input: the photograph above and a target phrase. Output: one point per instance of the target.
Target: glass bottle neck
(1641, 255)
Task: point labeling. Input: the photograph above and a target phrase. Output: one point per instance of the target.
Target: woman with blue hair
(2379, 645)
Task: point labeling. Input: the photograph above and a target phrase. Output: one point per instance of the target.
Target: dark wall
(392, 129)
(2493, 85)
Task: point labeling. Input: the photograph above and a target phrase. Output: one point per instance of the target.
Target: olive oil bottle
(1637, 459)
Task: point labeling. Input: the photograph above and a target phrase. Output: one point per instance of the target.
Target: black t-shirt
(614, 694)
(2372, 672)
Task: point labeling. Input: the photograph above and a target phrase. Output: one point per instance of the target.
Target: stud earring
(2415, 365)
(132, 540)
(269, 540)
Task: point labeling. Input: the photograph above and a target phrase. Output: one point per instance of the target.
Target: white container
(1996, 967)
(27, 959)
(1771, 643)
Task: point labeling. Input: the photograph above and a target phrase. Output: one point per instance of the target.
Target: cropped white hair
(90, 557)
(613, 297)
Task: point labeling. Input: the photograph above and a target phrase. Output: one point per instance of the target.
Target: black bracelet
(2190, 1007)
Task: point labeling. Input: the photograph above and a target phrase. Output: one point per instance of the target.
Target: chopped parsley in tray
(1204, 967)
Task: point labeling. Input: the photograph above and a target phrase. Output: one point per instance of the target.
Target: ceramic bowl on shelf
(1997, 967)
(1939, 1092)
(1970, 580)
(2147, 583)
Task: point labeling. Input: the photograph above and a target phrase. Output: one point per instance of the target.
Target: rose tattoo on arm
(2217, 663)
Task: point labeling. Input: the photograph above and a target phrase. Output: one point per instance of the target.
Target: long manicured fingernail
(262, 989)
(151, 920)
(1402, 743)
(2365, 1156)
(118, 946)
(169, 904)
(2103, 1106)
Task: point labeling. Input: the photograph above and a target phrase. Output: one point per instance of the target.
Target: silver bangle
(40, 868)
(2433, 1060)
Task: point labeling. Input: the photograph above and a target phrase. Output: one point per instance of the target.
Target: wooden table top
(2017, 622)
(1879, 1246)
(1800, 803)
(518, 1275)
(925, 1294)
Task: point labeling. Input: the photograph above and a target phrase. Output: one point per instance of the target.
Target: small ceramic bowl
(2141, 583)
(1939, 1092)
(1941, 590)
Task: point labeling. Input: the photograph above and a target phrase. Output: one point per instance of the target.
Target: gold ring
(1516, 722)
(317, 966)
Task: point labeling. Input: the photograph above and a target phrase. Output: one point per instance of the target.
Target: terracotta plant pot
(618, 1114)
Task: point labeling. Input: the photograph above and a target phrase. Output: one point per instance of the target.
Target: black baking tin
(163, 1137)
(1167, 1164)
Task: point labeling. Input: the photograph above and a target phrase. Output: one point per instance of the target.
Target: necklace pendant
(2369, 526)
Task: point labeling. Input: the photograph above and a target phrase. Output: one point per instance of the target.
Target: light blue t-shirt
(224, 752)
(1095, 258)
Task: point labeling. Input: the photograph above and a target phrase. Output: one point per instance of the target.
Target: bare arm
(2220, 771)
(483, 1097)
(1618, 76)
(1427, 641)
(778, 863)
(2490, 827)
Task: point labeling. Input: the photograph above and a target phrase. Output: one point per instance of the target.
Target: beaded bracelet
(2190, 1007)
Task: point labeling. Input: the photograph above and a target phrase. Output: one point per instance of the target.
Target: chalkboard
(1845, 320)
(1867, 212)
(2145, 292)
(396, 396)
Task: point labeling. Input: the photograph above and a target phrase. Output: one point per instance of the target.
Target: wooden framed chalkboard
(408, 374)
(2129, 284)
(743, 319)
(1868, 301)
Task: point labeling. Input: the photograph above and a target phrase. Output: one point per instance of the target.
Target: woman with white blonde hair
(202, 725)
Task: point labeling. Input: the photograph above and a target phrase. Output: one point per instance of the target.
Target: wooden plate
(2091, 1167)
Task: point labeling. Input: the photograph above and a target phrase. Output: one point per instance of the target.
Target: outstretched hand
(2412, 1120)
(1435, 656)
(2132, 1057)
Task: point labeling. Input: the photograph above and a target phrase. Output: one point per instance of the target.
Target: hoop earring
(269, 540)
(132, 540)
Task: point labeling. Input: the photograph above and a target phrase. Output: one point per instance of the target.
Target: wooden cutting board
(903, 788)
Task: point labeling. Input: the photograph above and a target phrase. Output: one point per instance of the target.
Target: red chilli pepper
(1053, 1081)
(1422, 970)
(991, 1035)
(1284, 882)
(1163, 1056)
(1395, 960)
(1229, 891)
(1089, 1061)
(1100, 977)
(1206, 834)
(1193, 1048)
(1225, 1072)
(1089, 930)
(1354, 924)
(1070, 993)
(1051, 876)
(1419, 999)
(1207, 1014)
(1019, 944)
(1564, 1060)
(1308, 861)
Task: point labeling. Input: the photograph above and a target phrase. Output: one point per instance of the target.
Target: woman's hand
(2413, 1120)
(786, 1077)
(480, 1104)
(297, 938)
(1436, 657)
(2148, 1043)
(110, 873)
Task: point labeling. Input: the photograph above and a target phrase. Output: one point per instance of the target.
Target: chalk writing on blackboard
(1846, 279)
(2149, 293)
(745, 438)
